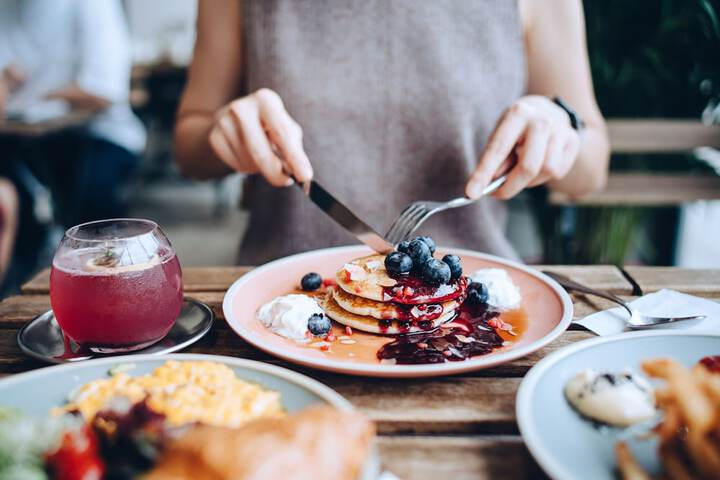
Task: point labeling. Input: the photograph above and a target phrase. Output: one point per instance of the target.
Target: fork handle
(462, 201)
(572, 285)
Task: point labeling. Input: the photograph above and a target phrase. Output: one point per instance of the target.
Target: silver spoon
(637, 320)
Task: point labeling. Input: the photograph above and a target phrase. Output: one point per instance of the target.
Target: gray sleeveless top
(396, 99)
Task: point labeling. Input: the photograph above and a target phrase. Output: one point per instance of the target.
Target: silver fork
(636, 321)
(418, 212)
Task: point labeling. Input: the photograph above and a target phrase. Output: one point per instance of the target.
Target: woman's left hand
(539, 133)
(79, 99)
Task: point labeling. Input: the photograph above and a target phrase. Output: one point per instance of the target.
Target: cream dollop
(288, 315)
(618, 399)
(503, 294)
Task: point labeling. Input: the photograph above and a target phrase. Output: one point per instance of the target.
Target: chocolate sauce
(412, 290)
(468, 335)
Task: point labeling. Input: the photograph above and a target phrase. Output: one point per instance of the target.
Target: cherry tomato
(78, 457)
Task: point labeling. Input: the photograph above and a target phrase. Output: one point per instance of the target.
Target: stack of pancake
(367, 298)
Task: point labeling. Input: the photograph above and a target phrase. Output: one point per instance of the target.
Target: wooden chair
(654, 136)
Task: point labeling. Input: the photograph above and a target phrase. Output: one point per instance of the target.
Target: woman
(387, 102)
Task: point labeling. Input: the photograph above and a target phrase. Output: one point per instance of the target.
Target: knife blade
(344, 216)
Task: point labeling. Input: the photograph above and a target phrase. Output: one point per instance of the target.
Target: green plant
(649, 58)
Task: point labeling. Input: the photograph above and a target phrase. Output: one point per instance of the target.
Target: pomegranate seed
(408, 291)
(329, 282)
(348, 331)
(325, 348)
(495, 323)
(461, 326)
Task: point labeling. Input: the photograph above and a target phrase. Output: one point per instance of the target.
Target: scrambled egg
(191, 391)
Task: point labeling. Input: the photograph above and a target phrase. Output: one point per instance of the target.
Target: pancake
(373, 325)
(384, 310)
(366, 277)
(368, 281)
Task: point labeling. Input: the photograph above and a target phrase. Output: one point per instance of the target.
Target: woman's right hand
(255, 134)
(11, 78)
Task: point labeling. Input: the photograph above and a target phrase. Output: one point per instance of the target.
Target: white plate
(568, 447)
(37, 392)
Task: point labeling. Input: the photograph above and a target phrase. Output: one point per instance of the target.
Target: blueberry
(398, 263)
(403, 246)
(429, 242)
(435, 272)
(477, 293)
(419, 252)
(311, 281)
(319, 324)
(453, 261)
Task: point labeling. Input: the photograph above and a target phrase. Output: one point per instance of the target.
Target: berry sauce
(429, 311)
(412, 290)
(419, 316)
(468, 335)
(711, 362)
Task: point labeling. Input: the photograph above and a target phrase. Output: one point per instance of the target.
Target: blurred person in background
(8, 224)
(386, 103)
(57, 55)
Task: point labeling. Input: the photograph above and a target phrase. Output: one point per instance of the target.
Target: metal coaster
(42, 339)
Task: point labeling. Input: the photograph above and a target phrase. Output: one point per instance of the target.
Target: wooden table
(457, 427)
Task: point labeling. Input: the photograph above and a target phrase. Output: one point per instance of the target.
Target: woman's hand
(256, 134)
(11, 78)
(79, 99)
(539, 133)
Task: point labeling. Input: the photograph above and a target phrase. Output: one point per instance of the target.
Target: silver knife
(344, 216)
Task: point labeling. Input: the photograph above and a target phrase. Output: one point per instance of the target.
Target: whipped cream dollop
(618, 399)
(503, 294)
(288, 315)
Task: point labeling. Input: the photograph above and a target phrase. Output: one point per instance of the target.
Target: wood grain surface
(460, 427)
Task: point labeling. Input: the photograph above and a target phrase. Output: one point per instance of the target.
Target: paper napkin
(664, 303)
(388, 476)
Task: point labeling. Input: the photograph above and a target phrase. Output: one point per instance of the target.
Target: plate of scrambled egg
(185, 388)
(180, 417)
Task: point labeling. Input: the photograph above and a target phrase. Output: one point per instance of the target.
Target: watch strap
(576, 122)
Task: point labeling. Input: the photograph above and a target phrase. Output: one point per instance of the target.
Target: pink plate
(546, 313)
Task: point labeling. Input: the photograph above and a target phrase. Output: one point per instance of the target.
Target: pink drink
(112, 308)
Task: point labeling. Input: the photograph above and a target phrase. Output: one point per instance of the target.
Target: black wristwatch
(576, 120)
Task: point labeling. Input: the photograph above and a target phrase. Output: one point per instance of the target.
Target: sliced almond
(320, 344)
(464, 339)
(387, 282)
(355, 272)
(388, 361)
(373, 265)
(343, 337)
(347, 342)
